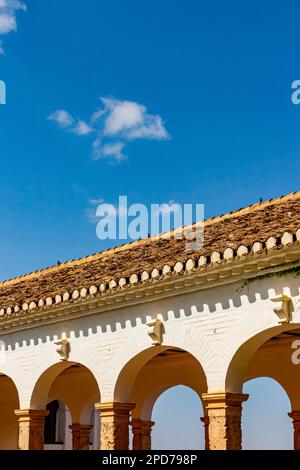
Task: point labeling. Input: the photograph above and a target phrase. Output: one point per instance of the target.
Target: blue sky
(214, 78)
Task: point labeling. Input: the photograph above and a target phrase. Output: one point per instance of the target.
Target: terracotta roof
(246, 226)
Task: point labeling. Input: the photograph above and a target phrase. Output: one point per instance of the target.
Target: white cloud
(62, 118)
(122, 115)
(115, 124)
(152, 128)
(112, 151)
(8, 21)
(82, 128)
(131, 120)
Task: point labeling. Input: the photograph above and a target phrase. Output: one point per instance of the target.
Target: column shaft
(80, 436)
(114, 425)
(224, 412)
(141, 431)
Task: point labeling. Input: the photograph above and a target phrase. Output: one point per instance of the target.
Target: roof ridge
(110, 251)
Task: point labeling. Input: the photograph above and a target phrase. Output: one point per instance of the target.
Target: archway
(265, 421)
(9, 402)
(72, 388)
(269, 354)
(149, 374)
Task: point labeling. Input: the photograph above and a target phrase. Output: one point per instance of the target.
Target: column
(205, 421)
(224, 412)
(295, 415)
(114, 417)
(141, 431)
(31, 429)
(80, 436)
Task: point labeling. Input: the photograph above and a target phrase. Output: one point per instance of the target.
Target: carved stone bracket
(283, 308)
(155, 329)
(63, 348)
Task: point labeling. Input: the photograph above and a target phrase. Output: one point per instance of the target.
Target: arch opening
(177, 412)
(148, 376)
(9, 402)
(265, 421)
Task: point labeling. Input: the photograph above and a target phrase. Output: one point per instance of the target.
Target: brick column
(31, 429)
(224, 412)
(80, 436)
(114, 417)
(295, 415)
(141, 431)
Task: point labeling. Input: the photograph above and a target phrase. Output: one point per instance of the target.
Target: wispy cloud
(112, 151)
(62, 118)
(113, 125)
(82, 128)
(8, 20)
(90, 212)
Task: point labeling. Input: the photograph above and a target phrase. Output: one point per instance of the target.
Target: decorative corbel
(282, 308)
(155, 329)
(63, 348)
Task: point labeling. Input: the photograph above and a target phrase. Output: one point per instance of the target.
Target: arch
(163, 373)
(71, 382)
(240, 360)
(129, 377)
(262, 428)
(9, 402)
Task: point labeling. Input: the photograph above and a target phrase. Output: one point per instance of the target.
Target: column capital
(295, 415)
(28, 414)
(223, 399)
(141, 424)
(80, 427)
(113, 407)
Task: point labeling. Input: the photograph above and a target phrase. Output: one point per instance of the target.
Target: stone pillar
(205, 421)
(31, 429)
(295, 415)
(80, 436)
(141, 431)
(114, 425)
(224, 412)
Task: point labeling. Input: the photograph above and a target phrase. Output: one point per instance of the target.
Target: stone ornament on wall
(283, 308)
(155, 330)
(63, 348)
